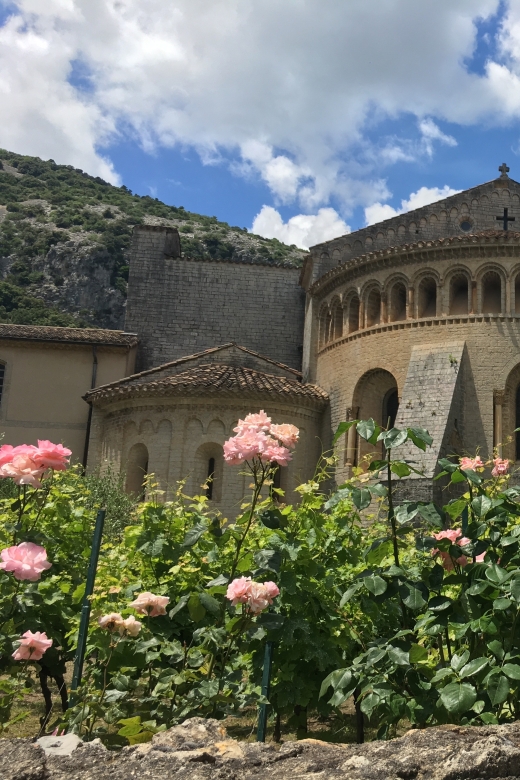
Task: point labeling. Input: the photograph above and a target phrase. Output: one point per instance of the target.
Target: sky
(301, 120)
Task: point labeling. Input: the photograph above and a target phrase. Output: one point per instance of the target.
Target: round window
(466, 225)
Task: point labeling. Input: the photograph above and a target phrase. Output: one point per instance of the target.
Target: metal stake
(85, 607)
(266, 684)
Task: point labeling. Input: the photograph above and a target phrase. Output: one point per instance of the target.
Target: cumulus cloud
(378, 212)
(288, 89)
(304, 230)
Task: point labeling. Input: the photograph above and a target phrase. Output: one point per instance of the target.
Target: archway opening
(210, 478)
(517, 294)
(353, 314)
(373, 308)
(136, 470)
(376, 396)
(337, 323)
(459, 294)
(208, 471)
(398, 302)
(427, 298)
(491, 293)
(390, 408)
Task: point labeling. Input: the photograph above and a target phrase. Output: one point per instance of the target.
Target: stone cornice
(490, 243)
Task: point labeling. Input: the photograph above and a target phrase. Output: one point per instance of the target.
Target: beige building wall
(43, 387)
(181, 434)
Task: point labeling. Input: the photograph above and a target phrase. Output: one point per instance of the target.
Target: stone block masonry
(180, 306)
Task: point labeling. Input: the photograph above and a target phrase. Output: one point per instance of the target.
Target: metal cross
(504, 170)
(505, 219)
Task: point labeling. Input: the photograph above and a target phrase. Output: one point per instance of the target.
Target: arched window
(491, 293)
(517, 294)
(323, 327)
(390, 408)
(338, 321)
(398, 302)
(136, 470)
(211, 477)
(353, 314)
(328, 327)
(459, 294)
(373, 308)
(427, 298)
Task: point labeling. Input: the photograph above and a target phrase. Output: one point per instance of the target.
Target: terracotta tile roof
(482, 238)
(68, 335)
(212, 379)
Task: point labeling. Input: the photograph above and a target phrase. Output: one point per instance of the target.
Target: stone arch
(434, 220)
(491, 290)
(511, 415)
(336, 323)
(357, 245)
(368, 242)
(208, 469)
(216, 429)
(401, 230)
(371, 397)
(352, 312)
(397, 301)
(459, 288)
(372, 307)
(146, 427)
(427, 296)
(137, 469)
(336, 256)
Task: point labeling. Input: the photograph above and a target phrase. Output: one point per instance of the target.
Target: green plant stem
(391, 513)
(448, 643)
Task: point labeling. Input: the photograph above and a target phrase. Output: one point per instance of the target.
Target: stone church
(415, 319)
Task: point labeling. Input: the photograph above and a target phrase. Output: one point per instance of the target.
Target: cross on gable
(504, 170)
(505, 219)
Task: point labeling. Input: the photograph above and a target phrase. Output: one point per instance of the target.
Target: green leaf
(473, 667)
(496, 648)
(398, 656)
(417, 654)
(458, 697)
(488, 718)
(458, 661)
(194, 534)
(412, 597)
(400, 468)
(420, 437)
(366, 429)
(496, 574)
(361, 498)
(512, 671)
(180, 604)
(477, 588)
(481, 505)
(369, 703)
(350, 592)
(455, 508)
(195, 608)
(498, 689)
(343, 428)
(393, 438)
(209, 603)
(515, 588)
(268, 559)
(502, 603)
(379, 550)
(375, 584)
(432, 514)
(271, 518)
(222, 579)
(338, 680)
(439, 603)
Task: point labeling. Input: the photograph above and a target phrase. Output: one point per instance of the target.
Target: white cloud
(293, 86)
(304, 230)
(378, 212)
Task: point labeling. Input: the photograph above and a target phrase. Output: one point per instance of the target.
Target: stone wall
(180, 306)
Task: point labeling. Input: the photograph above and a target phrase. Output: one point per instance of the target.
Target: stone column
(351, 445)
(473, 298)
(442, 302)
(498, 398)
(508, 298)
(410, 309)
(361, 314)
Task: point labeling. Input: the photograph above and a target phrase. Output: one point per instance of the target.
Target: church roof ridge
(483, 236)
(211, 378)
(55, 333)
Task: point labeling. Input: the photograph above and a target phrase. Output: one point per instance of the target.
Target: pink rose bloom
(111, 622)
(245, 446)
(51, 456)
(273, 453)
(287, 434)
(149, 604)
(130, 626)
(23, 470)
(253, 423)
(471, 464)
(455, 537)
(272, 589)
(6, 453)
(32, 646)
(27, 561)
(500, 467)
(480, 558)
(238, 590)
(259, 598)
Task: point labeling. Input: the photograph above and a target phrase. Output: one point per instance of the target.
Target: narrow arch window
(338, 321)
(137, 470)
(459, 294)
(398, 302)
(427, 298)
(323, 328)
(353, 314)
(210, 479)
(373, 308)
(390, 408)
(328, 327)
(491, 293)
(517, 294)
(517, 422)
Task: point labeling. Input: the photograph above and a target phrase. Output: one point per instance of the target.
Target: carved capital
(499, 397)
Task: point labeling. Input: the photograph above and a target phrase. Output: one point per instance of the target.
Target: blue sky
(303, 120)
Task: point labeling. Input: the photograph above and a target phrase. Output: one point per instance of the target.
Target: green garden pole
(266, 684)
(85, 607)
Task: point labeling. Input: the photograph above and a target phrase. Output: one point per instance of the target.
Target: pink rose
(245, 446)
(253, 423)
(272, 589)
(111, 622)
(130, 626)
(287, 434)
(149, 604)
(480, 558)
(273, 453)
(51, 456)
(501, 467)
(23, 470)
(27, 561)
(6, 454)
(471, 464)
(456, 538)
(238, 590)
(32, 646)
(258, 598)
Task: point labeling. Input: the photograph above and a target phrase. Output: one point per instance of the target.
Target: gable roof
(98, 336)
(210, 379)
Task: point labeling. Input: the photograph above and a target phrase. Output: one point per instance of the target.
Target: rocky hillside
(64, 239)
